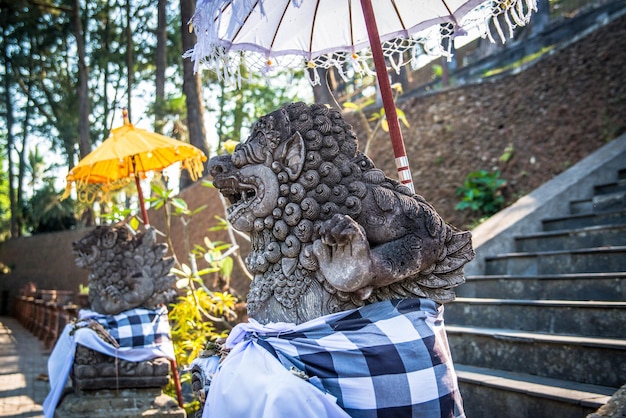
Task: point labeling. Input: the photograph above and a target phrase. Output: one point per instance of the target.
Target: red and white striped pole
(399, 152)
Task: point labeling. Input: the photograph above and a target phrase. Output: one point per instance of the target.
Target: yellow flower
(230, 145)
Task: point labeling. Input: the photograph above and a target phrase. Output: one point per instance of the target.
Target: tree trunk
(323, 92)
(83, 87)
(161, 64)
(106, 46)
(21, 172)
(192, 90)
(8, 102)
(129, 62)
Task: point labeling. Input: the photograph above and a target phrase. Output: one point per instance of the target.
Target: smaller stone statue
(126, 271)
(119, 352)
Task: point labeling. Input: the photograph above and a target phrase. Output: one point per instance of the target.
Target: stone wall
(45, 260)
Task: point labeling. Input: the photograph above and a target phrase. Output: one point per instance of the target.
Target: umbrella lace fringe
(213, 53)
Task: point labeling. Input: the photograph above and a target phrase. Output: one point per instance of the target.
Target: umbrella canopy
(314, 34)
(129, 153)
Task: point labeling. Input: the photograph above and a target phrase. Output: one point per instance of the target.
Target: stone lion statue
(126, 271)
(329, 231)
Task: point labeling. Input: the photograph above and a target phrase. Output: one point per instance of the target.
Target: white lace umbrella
(266, 34)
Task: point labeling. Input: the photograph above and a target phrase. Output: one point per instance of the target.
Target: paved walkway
(23, 371)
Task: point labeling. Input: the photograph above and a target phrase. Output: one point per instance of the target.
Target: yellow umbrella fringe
(194, 167)
(90, 192)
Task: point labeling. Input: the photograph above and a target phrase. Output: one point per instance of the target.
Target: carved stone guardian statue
(345, 260)
(118, 354)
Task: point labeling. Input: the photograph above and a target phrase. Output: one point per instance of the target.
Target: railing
(46, 313)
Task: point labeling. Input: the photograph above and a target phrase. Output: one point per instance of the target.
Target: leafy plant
(481, 192)
(47, 212)
(199, 316)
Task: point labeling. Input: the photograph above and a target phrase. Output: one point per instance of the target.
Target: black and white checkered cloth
(135, 328)
(388, 359)
(141, 334)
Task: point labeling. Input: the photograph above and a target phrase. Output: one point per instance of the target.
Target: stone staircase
(542, 333)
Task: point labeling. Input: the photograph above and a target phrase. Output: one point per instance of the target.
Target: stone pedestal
(94, 371)
(108, 387)
(123, 403)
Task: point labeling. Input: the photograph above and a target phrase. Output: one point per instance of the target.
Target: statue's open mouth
(252, 192)
(239, 199)
(84, 257)
(241, 196)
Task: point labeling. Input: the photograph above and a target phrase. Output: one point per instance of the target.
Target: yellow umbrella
(131, 152)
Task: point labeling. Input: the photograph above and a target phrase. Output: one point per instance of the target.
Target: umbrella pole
(402, 162)
(144, 213)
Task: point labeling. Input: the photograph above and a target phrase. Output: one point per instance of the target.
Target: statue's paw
(343, 253)
(340, 230)
(112, 292)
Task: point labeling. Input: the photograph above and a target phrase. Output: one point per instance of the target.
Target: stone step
(587, 286)
(585, 260)
(593, 236)
(590, 360)
(582, 220)
(591, 319)
(618, 186)
(599, 203)
(496, 393)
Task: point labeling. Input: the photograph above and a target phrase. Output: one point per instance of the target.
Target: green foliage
(240, 107)
(193, 319)
(437, 71)
(46, 212)
(82, 289)
(193, 330)
(481, 192)
(200, 316)
(5, 204)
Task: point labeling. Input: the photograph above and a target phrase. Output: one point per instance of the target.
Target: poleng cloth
(387, 359)
(142, 334)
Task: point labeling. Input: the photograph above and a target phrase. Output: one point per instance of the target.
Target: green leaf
(209, 244)
(200, 209)
(222, 247)
(208, 270)
(227, 266)
(179, 203)
(368, 102)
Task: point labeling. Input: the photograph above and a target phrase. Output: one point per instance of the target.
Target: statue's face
(251, 189)
(89, 249)
(250, 178)
(86, 251)
(84, 255)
